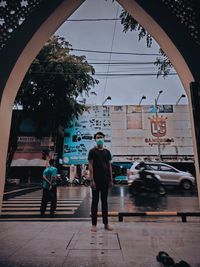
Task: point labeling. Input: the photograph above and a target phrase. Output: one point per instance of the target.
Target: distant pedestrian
(100, 169)
(49, 188)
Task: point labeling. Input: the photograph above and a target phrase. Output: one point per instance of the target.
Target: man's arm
(44, 177)
(90, 165)
(53, 178)
(111, 174)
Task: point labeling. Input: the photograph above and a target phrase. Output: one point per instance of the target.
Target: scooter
(147, 182)
(66, 181)
(75, 181)
(85, 181)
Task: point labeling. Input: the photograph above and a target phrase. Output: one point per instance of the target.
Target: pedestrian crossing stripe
(25, 208)
(38, 205)
(37, 201)
(35, 208)
(39, 198)
(44, 219)
(36, 213)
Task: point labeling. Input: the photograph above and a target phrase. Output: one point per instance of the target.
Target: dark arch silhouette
(161, 19)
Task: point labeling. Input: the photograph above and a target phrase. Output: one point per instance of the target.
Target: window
(153, 167)
(166, 169)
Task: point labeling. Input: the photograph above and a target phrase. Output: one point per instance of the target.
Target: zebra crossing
(27, 207)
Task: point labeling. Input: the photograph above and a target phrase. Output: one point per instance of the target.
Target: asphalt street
(74, 203)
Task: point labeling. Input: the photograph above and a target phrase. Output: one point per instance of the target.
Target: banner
(78, 137)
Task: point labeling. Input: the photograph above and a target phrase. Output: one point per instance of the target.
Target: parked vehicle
(65, 180)
(167, 175)
(75, 181)
(85, 180)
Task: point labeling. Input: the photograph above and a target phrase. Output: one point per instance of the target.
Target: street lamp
(182, 96)
(156, 107)
(107, 98)
(142, 98)
(156, 100)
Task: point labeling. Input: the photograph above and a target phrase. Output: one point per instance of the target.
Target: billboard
(78, 136)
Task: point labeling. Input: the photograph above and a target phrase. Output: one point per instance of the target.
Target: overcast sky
(109, 36)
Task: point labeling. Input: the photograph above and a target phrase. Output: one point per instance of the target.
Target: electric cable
(110, 55)
(116, 53)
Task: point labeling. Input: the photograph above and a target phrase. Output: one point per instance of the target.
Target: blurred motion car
(167, 174)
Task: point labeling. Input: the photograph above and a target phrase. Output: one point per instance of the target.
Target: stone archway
(51, 23)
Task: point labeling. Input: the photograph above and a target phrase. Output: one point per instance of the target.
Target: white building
(141, 132)
(132, 132)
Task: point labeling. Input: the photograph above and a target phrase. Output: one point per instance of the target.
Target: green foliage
(163, 63)
(53, 82)
(130, 24)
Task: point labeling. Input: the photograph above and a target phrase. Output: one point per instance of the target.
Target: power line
(117, 53)
(130, 74)
(122, 63)
(107, 74)
(103, 19)
(105, 63)
(110, 54)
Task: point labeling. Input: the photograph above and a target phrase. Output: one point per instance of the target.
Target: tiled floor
(63, 244)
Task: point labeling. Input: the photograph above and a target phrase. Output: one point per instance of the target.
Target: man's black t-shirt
(101, 158)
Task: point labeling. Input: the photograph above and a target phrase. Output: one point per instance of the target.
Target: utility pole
(157, 123)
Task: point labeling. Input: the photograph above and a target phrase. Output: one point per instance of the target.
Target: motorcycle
(85, 181)
(75, 181)
(66, 181)
(147, 182)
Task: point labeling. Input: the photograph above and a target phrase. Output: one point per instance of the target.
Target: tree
(130, 24)
(52, 84)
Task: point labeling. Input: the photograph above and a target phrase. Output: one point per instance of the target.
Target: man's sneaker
(108, 227)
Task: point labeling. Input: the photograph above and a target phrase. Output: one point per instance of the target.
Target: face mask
(100, 141)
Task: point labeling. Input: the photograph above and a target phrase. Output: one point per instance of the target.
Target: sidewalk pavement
(130, 244)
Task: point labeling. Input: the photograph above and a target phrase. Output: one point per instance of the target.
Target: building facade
(132, 133)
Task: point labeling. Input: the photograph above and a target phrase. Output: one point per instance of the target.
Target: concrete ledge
(183, 215)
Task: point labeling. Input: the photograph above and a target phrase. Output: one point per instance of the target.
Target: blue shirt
(49, 172)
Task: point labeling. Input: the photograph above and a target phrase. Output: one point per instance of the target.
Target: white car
(167, 174)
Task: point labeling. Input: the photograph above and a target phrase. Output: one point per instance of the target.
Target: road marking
(35, 208)
(28, 208)
(45, 219)
(36, 213)
(38, 201)
(38, 205)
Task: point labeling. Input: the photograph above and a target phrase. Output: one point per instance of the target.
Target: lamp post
(157, 127)
(142, 98)
(107, 98)
(182, 96)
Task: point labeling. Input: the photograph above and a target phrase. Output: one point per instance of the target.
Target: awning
(28, 163)
(28, 159)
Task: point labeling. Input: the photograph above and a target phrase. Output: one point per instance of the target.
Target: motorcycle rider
(147, 182)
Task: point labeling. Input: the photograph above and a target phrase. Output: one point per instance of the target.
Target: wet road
(174, 200)
(74, 202)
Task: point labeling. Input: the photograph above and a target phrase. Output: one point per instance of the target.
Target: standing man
(101, 178)
(49, 188)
